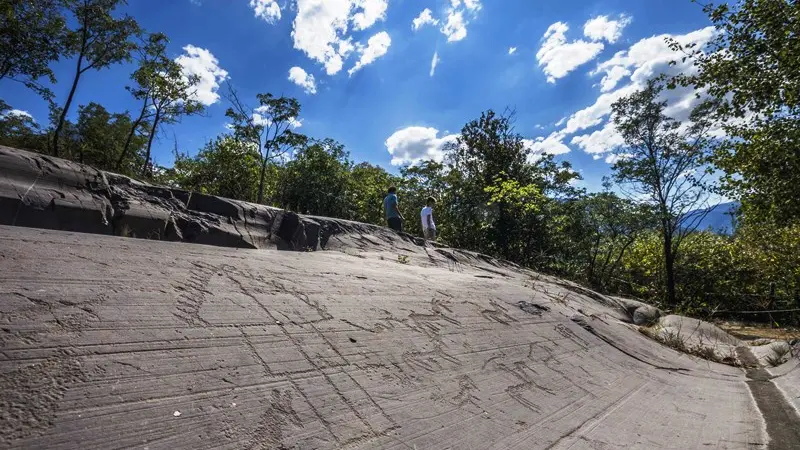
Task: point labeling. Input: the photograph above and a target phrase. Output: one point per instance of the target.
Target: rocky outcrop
(44, 192)
(387, 341)
(40, 191)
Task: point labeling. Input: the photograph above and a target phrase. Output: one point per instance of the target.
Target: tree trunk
(136, 124)
(263, 175)
(590, 271)
(64, 112)
(609, 269)
(669, 267)
(150, 143)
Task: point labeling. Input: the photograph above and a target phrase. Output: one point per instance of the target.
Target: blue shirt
(388, 206)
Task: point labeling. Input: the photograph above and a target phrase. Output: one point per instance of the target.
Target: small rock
(176, 414)
(646, 315)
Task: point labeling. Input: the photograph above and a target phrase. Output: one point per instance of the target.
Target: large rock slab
(383, 341)
(111, 342)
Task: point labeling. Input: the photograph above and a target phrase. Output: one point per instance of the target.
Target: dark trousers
(395, 223)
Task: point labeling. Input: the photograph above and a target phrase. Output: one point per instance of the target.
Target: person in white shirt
(428, 226)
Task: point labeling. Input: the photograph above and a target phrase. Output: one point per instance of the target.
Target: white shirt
(427, 211)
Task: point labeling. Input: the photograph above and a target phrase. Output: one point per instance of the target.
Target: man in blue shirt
(392, 211)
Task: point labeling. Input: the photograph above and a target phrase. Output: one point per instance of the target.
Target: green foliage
(367, 188)
(99, 41)
(96, 139)
(171, 95)
(750, 68)
(20, 130)
(488, 148)
(526, 199)
(268, 127)
(31, 39)
(663, 162)
(611, 225)
(164, 92)
(225, 167)
(98, 136)
(416, 184)
(716, 272)
(317, 180)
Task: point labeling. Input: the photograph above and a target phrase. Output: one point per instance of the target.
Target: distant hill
(719, 218)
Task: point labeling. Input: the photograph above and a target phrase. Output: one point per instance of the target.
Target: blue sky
(373, 86)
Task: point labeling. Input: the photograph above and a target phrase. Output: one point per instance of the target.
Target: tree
(226, 167)
(152, 60)
(420, 181)
(18, 129)
(99, 41)
(613, 225)
(487, 150)
(171, 95)
(316, 180)
(752, 69)
(367, 189)
(663, 162)
(97, 138)
(268, 127)
(31, 39)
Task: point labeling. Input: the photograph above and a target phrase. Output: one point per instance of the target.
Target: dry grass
(675, 341)
(759, 331)
(778, 355)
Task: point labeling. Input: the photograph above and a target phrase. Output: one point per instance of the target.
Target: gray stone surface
(646, 315)
(382, 341)
(111, 342)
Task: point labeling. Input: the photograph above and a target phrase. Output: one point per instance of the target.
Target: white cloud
(321, 28)
(603, 28)
(268, 10)
(612, 77)
(551, 145)
(295, 123)
(377, 46)
(434, 63)
(597, 112)
(305, 80)
(614, 158)
(16, 113)
(648, 57)
(472, 5)
(455, 27)
(512, 50)
(424, 18)
(370, 12)
(632, 68)
(414, 144)
(260, 118)
(558, 57)
(600, 141)
(202, 63)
